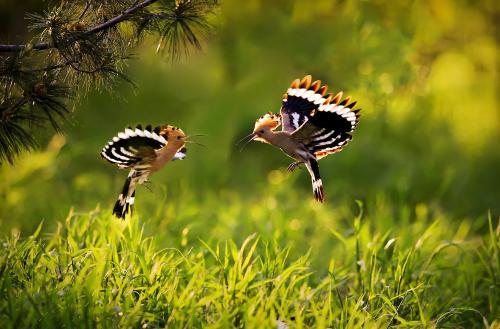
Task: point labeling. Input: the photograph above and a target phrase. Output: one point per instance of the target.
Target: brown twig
(99, 28)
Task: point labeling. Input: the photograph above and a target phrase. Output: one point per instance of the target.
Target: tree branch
(101, 27)
(36, 86)
(16, 48)
(112, 22)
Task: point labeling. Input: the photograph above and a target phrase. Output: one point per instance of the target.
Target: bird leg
(294, 165)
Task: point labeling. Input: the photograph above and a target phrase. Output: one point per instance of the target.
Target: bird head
(265, 124)
(173, 134)
(262, 129)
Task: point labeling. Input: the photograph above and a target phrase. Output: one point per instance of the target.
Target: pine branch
(84, 50)
(15, 48)
(101, 27)
(120, 18)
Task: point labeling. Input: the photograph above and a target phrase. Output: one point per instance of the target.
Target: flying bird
(143, 151)
(314, 125)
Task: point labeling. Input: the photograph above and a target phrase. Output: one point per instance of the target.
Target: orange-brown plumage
(313, 126)
(143, 151)
(337, 98)
(322, 90)
(306, 82)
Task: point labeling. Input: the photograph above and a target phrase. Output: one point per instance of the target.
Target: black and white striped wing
(344, 112)
(134, 146)
(299, 101)
(328, 129)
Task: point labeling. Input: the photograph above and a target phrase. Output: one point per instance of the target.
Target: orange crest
(171, 132)
(268, 120)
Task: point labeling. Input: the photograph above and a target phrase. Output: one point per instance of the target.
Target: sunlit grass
(229, 239)
(96, 271)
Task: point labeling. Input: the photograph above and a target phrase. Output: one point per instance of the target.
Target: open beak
(245, 140)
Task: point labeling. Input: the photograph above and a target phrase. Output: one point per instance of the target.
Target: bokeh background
(424, 73)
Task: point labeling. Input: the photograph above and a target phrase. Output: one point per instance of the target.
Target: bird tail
(126, 198)
(317, 184)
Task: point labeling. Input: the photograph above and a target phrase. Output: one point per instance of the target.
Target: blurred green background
(424, 72)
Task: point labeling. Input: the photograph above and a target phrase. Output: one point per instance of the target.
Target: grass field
(95, 271)
(409, 235)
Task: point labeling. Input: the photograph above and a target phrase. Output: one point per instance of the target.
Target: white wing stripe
(337, 108)
(129, 132)
(300, 92)
(326, 135)
(124, 151)
(318, 132)
(326, 142)
(327, 108)
(296, 118)
(139, 132)
(122, 136)
(159, 138)
(111, 159)
(308, 94)
(343, 111)
(315, 97)
(121, 157)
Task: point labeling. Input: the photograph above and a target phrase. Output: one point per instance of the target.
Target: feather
(315, 86)
(131, 147)
(322, 90)
(337, 98)
(306, 82)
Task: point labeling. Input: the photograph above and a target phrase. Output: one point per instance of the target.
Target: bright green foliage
(95, 272)
(424, 162)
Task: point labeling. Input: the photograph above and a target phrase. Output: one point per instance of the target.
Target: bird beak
(245, 140)
(187, 140)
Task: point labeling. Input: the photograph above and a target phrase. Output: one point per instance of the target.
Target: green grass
(227, 238)
(94, 271)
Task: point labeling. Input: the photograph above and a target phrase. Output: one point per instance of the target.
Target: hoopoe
(143, 151)
(314, 126)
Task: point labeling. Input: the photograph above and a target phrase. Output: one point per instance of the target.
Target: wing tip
(337, 97)
(306, 82)
(295, 84)
(322, 90)
(316, 85)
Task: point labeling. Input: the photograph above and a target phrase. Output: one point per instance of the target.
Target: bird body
(143, 151)
(313, 126)
(166, 154)
(285, 141)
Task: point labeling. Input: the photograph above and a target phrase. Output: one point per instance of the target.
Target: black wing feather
(326, 131)
(330, 121)
(299, 102)
(132, 146)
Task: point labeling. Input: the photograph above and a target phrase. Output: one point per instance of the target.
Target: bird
(314, 125)
(143, 151)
